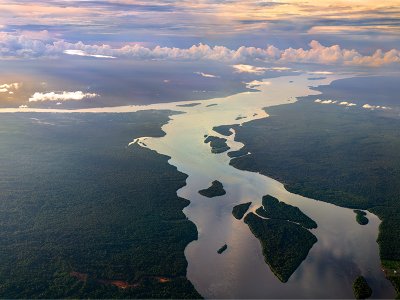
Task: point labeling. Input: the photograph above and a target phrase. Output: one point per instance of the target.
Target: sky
(53, 37)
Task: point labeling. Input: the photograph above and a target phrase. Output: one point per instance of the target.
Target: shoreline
(184, 144)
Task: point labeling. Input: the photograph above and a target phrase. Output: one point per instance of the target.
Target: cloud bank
(21, 46)
(64, 96)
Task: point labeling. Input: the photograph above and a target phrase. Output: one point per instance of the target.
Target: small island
(224, 129)
(218, 145)
(361, 217)
(216, 189)
(284, 244)
(214, 104)
(222, 249)
(239, 210)
(274, 209)
(361, 288)
(188, 105)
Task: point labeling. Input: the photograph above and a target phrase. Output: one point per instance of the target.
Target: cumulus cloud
(345, 103)
(330, 101)
(6, 87)
(373, 107)
(13, 46)
(350, 104)
(325, 101)
(335, 55)
(64, 96)
(249, 69)
(206, 75)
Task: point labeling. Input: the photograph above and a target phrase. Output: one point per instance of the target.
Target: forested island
(239, 210)
(346, 156)
(222, 249)
(216, 189)
(273, 208)
(217, 144)
(189, 105)
(85, 218)
(361, 217)
(284, 244)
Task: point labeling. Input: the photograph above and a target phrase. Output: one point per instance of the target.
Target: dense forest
(239, 210)
(217, 144)
(273, 208)
(284, 244)
(361, 288)
(216, 189)
(83, 215)
(346, 156)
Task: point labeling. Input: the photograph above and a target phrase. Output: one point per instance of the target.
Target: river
(344, 249)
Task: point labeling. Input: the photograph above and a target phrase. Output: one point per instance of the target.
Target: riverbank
(333, 262)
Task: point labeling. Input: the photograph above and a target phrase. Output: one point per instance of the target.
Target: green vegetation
(392, 271)
(284, 244)
(346, 156)
(223, 129)
(216, 189)
(274, 209)
(188, 105)
(218, 145)
(361, 288)
(85, 216)
(361, 217)
(237, 153)
(222, 249)
(239, 210)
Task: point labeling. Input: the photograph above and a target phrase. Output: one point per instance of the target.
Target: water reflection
(344, 248)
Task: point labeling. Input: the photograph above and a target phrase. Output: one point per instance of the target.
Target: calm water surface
(344, 249)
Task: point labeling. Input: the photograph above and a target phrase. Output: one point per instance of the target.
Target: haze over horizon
(54, 52)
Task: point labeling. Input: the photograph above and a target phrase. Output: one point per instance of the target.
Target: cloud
(335, 55)
(345, 103)
(279, 69)
(206, 75)
(64, 96)
(326, 101)
(256, 83)
(83, 53)
(21, 46)
(329, 101)
(6, 87)
(249, 69)
(373, 107)
(350, 104)
(320, 73)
